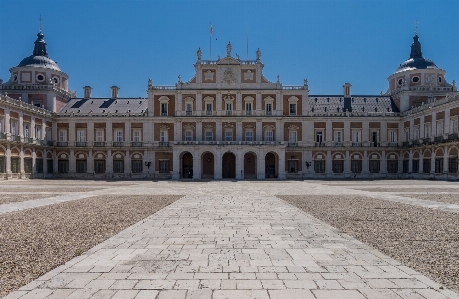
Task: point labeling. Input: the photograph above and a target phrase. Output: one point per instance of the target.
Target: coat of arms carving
(229, 77)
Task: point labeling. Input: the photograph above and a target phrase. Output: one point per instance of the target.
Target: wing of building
(228, 121)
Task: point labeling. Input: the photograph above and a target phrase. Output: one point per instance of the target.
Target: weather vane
(41, 25)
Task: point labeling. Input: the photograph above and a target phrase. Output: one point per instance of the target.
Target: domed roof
(39, 58)
(39, 61)
(416, 61)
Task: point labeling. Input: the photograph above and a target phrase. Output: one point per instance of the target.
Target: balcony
(99, 143)
(2, 136)
(356, 144)
(80, 143)
(293, 144)
(426, 140)
(248, 112)
(320, 144)
(16, 138)
(163, 113)
(118, 143)
(439, 139)
(28, 140)
(338, 144)
(62, 144)
(406, 144)
(189, 113)
(49, 143)
(415, 142)
(229, 112)
(136, 144)
(208, 112)
(453, 137)
(41, 142)
(392, 144)
(269, 113)
(164, 144)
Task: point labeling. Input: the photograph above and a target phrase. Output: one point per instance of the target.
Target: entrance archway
(229, 166)
(187, 165)
(250, 166)
(207, 165)
(271, 161)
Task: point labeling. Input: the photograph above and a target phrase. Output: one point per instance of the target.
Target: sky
(329, 42)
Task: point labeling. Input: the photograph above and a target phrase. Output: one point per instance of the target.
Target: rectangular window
(14, 128)
(38, 165)
(118, 166)
(269, 136)
(292, 137)
(319, 166)
(62, 135)
(319, 136)
(392, 136)
(99, 166)
(454, 126)
(426, 165)
(163, 136)
(248, 108)
(407, 135)
(406, 164)
(209, 136)
(136, 166)
(81, 166)
(439, 128)
(269, 109)
(338, 166)
(427, 131)
(356, 166)
(416, 133)
(374, 166)
(81, 136)
(164, 166)
(136, 136)
(392, 166)
(415, 166)
(439, 165)
(208, 109)
(292, 109)
(356, 136)
(163, 109)
(1, 126)
(188, 135)
(15, 168)
(293, 166)
(452, 165)
(229, 108)
(229, 135)
(26, 130)
(37, 132)
(63, 166)
(189, 108)
(28, 165)
(338, 136)
(118, 135)
(248, 135)
(99, 135)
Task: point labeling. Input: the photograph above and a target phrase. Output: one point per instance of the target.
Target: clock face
(429, 78)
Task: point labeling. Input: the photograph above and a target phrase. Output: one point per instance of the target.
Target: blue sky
(123, 43)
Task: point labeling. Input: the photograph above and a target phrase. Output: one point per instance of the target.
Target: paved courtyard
(227, 239)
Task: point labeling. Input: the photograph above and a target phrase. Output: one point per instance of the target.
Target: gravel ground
(50, 189)
(426, 240)
(18, 197)
(446, 198)
(426, 190)
(35, 241)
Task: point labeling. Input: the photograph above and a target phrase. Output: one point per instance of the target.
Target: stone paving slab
(232, 240)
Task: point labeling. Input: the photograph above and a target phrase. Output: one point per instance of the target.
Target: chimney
(347, 90)
(114, 92)
(87, 92)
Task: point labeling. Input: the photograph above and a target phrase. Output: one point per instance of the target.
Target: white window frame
(37, 132)
(229, 135)
(14, 127)
(440, 130)
(269, 135)
(163, 136)
(356, 136)
(319, 133)
(27, 130)
(293, 136)
(248, 135)
(416, 133)
(137, 135)
(294, 106)
(209, 135)
(81, 135)
(62, 135)
(338, 136)
(118, 135)
(427, 130)
(454, 128)
(392, 136)
(100, 135)
(189, 135)
(163, 112)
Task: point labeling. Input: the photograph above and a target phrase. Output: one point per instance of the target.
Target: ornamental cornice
(25, 107)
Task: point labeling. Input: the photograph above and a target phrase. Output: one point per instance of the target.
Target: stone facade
(229, 121)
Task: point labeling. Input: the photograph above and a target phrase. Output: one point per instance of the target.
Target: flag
(211, 30)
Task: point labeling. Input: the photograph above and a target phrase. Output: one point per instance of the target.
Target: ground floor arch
(229, 166)
(250, 166)
(207, 168)
(186, 165)
(271, 165)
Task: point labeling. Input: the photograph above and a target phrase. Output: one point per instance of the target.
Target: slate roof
(321, 103)
(105, 105)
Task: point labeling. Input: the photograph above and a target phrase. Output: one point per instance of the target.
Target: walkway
(232, 240)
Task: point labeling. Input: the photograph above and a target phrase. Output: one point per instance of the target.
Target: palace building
(228, 121)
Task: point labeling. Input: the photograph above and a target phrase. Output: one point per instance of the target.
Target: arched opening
(229, 166)
(250, 166)
(207, 165)
(187, 165)
(271, 168)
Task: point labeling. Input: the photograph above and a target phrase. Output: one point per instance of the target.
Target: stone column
(7, 128)
(239, 136)
(127, 129)
(109, 133)
(347, 165)
(432, 164)
(261, 165)
(43, 135)
(445, 160)
(90, 133)
(218, 130)
(239, 164)
(446, 125)
(8, 161)
(198, 130)
(109, 164)
(258, 103)
(238, 103)
(196, 166)
(383, 165)
(127, 163)
(347, 131)
(219, 103)
(72, 133)
(198, 103)
(72, 163)
(281, 174)
(32, 128)
(177, 130)
(279, 106)
(21, 125)
(179, 104)
(421, 162)
(54, 132)
(410, 162)
(365, 168)
(176, 164)
(328, 132)
(434, 124)
(421, 127)
(279, 130)
(218, 165)
(259, 131)
(383, 133)
(328, 164)
(365, 131)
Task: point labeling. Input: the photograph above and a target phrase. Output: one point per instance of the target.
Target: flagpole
(210, 40)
